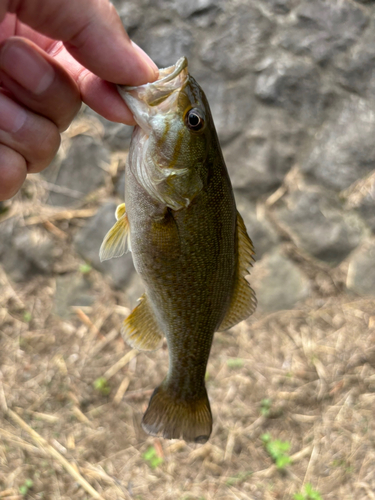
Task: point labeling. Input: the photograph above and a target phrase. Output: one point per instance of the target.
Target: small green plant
(85, 268)
(265, 407)
(278, 450)
(152, 458)
(235, 363)
(101, 385)
(27, 316)
(308, 494)
(343, 464)
(27, 485)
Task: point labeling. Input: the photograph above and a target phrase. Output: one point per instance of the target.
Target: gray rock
(357, 73)
(292, 85)
(362, 198)
(344, 150)
(259, 159)
(367, 209)
(187, 8)
(131, 14)
(280, 6)
(204, 19)
(80, 172)
(120, 186)
(72, 290)
(356, 69)
(361, 270)
(17, 268)
(315, 220)
(197, 13)
(88, 240)
(37, 247)
(134, 290)
(238, 43)
(278, 283)
(165, 44)
(231, 103)
(262, 233)
(116, 135)
(324, 28)
(26, 252)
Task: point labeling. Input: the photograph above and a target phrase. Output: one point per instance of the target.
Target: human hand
(53, 54)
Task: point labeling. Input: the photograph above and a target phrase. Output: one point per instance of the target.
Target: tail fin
(178, 418)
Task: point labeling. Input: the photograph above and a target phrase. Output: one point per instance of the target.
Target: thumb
(92, 32)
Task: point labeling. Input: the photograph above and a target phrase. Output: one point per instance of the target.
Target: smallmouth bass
(189, 245)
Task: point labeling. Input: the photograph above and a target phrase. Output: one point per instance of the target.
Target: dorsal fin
(117, 241)
(243, 302)
(140, 329)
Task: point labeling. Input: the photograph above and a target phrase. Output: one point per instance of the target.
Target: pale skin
(54, 54)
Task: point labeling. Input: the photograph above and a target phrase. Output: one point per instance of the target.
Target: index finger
(92, 32)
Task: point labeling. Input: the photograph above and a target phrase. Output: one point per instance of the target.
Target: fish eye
(194, 119)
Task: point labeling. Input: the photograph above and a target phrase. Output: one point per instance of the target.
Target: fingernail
(150, 63)
(12, 116)
(26, 67)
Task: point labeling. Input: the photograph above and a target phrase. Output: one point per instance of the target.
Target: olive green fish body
(188, 243)
(187, 262)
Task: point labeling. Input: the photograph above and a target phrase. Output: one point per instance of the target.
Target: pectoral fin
(243, 302)
(140, 329)
(117, 241)
(120, 211)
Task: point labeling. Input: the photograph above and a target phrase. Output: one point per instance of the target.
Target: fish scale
(189, 245)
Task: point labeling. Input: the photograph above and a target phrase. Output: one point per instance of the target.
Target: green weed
(235, 363)
(85, 268)
(308, 494)
(152, 458)
(278, 450)
(101, 385)
(27, 485)
(27, 316)
(265, 407)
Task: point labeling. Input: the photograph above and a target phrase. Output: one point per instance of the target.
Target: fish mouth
(166, 75)
(158, 97)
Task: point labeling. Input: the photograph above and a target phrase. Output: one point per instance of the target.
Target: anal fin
(140, 329)
(117, 241)
(243, 302)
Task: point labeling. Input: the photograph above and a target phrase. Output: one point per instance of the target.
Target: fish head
(173, 134)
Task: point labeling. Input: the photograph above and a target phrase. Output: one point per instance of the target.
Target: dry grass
(316, 365)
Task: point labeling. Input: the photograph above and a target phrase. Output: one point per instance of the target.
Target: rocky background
(292, 89)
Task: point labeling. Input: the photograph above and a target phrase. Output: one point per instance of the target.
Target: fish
(189, 245)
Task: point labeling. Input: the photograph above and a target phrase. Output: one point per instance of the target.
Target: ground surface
(304, 376)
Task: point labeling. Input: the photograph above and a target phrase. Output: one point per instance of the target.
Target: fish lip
(180, 65)
(156, 98)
